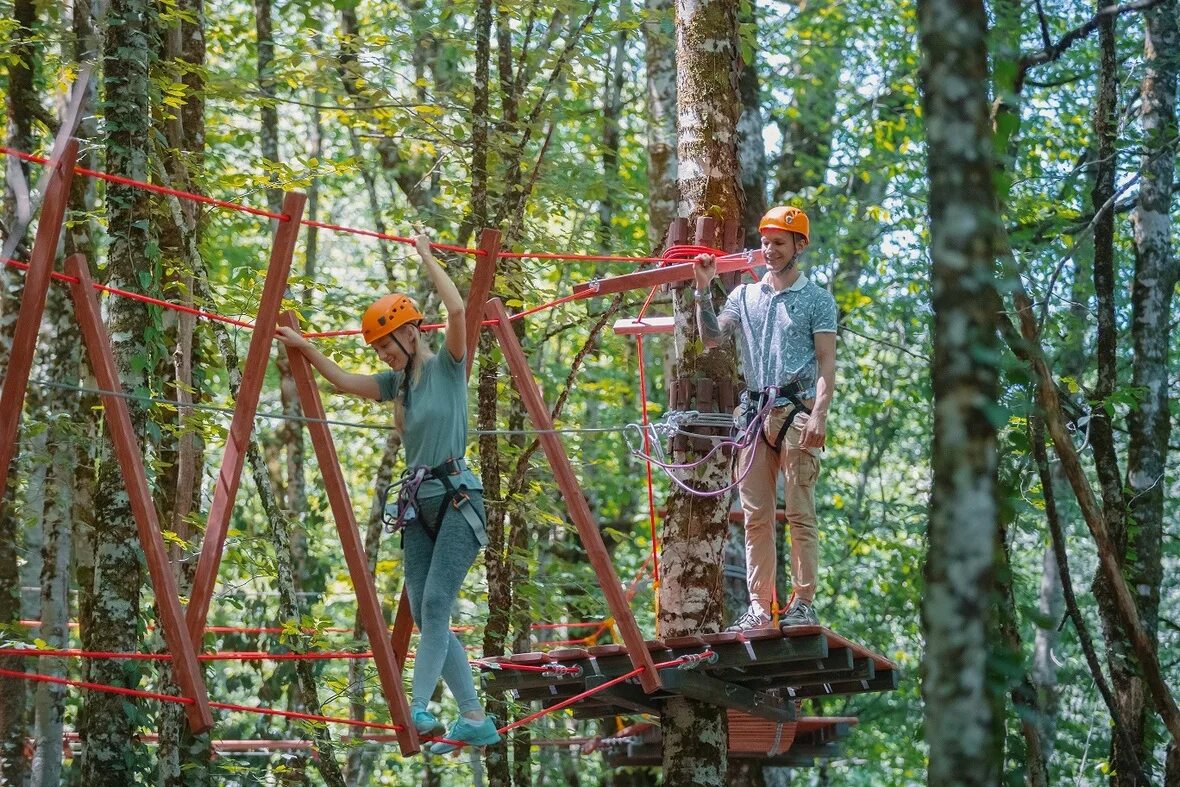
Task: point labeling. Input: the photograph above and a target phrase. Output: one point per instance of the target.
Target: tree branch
(1052, 52)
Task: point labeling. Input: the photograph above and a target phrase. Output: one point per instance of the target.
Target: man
(786, 330)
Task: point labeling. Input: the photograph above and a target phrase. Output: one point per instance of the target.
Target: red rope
(135, 296)
(684, 251)
(651, 495)
(152, 187)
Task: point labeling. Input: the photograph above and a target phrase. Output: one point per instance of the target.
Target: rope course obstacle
(760, 674)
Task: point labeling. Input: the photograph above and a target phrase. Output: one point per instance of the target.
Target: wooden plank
(883, 681)
(625, 695)
(631, 326)
(368, 605)
(807, 651)
(572, 495)
(702, 687)
(32, 306)
(238, 440)
(681, 271)
(862, 669)
(185, 667)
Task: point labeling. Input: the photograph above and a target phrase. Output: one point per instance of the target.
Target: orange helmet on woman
(386, 315)
(785, 217)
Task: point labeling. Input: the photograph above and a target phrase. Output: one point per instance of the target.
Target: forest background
(555, 122)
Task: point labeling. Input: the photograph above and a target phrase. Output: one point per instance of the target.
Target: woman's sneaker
(800, 613)
(753, 619)
(473, 733)
(425, 722)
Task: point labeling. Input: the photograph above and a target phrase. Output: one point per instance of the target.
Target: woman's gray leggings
(435, 571)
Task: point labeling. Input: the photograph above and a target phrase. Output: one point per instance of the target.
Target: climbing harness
(404, 509)
(780, 396)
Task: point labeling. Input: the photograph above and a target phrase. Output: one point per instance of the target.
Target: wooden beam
(886, 680)
(368, 606)
(185, 666)
(32, 306)
(669, 274)
(699, 686)
(572, 495)
(631, 326)
(625, 695)
(238, 440)
(481, 288)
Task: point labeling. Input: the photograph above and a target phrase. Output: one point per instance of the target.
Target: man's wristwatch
(697, 294)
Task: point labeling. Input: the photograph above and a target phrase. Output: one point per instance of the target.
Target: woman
(444, 516)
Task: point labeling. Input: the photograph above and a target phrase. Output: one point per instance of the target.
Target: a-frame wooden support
(184, 655)
(12, 395)
(572, 496)
(249, 389)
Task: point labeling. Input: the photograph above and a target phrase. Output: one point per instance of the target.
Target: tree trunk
(751, 153)
(815, 74)
(107, 729)
(21, 107)
(960, 707)
(182, 760)
(659, 29)
(612, 107)
(1156, 272)
(695, 746)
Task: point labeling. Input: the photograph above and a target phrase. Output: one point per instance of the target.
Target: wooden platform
(760, 673)
(802, 743)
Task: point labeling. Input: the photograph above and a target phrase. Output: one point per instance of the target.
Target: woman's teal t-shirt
(436, 417)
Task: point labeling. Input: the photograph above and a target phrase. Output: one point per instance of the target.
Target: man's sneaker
(800, 613)
(464, 730)
(425, 722)
(753, 619)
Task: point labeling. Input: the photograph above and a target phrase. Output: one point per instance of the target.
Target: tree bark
(1150, 424)
(960, 707)
(815, 74)
(751, 153)
(612, 107)
(21, 107)
(107, 730)
(659, 30)
(694, 531)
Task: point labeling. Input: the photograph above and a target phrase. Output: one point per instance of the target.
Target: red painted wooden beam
(681, 271)
(32, 305)
(254, 370)
(185, 666)
(368, 606)
(572, 495)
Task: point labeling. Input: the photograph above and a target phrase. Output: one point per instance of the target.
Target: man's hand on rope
(704, 270)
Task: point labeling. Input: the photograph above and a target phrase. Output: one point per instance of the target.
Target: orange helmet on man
(386, 315)
(788, 218)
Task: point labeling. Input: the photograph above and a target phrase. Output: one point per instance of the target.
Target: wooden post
(32, 306)
(369, 607)
(257, 358)
(481, 286)
(572, 495)
(184, 656)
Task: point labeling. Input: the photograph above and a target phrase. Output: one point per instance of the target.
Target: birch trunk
(963, 528)
(659, 30)
(1156, 271)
